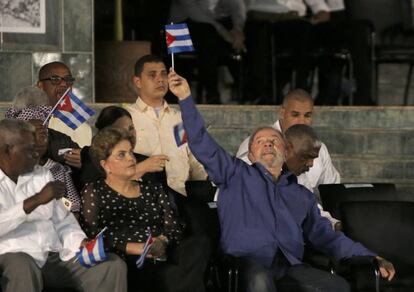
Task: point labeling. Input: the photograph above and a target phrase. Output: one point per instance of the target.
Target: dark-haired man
(154, 122)
(54, 79)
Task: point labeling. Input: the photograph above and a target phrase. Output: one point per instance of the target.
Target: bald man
(54, 79)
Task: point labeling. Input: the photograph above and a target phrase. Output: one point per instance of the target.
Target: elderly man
(265, 216)
(297, 108)
(38, 236)
(158, 126)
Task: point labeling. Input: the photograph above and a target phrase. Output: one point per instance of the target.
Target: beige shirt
(155, 135)
(82, 135)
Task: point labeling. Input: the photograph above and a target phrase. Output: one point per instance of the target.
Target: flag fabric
(72, 111)
(92, 253)
(145, 250)
(180, 134)
(178, 38)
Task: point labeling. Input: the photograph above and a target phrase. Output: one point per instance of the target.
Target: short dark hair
(297, 95)
(109, 115)
(139, 65)
(104, 141)
(45, 69)
(11, 130)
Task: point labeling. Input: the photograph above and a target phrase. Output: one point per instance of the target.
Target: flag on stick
(178, 38)
(180, 134)
(93, 252)
(145, 250)
(71, 110)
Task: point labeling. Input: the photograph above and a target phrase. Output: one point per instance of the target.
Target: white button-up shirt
(322, 171)
(48, 228)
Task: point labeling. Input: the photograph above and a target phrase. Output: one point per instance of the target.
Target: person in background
(158, 126)
(54, 79)
(148, 168)
(216, 29)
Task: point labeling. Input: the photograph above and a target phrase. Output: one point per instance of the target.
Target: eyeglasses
(56, 80)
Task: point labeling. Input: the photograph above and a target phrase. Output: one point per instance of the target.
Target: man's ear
(137, 81)
(40, 84)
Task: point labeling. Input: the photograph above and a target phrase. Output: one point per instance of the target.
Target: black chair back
(332, 195)
(384, 14)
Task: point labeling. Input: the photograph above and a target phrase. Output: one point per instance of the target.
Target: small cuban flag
(93, 252)
(178, 38)
(145, 250)
(180, 134)
(72, 111)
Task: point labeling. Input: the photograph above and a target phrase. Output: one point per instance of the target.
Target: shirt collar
(143, 107)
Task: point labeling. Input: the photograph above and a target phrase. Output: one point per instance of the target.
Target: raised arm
(219, 165)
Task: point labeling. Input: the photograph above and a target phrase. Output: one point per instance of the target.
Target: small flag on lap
(145, 250)
(72, 111)
(180, 134)
(178, 38)
(93, 252)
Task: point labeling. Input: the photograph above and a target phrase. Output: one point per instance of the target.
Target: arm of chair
(360, 265)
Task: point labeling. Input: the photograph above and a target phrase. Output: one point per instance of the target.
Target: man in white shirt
(297, 108)
(55, 78)
(154, 121)
(39, 237)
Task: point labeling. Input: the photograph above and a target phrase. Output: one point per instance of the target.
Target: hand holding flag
(92, 252)
(145, 250)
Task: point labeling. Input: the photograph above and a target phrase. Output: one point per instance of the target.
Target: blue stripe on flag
(173, 50)
(182, 37)
(101, 251)
(176, 26)
(64, 119)
(81, 104)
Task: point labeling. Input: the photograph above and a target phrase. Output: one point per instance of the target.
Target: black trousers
(283, 277)
(182, 272)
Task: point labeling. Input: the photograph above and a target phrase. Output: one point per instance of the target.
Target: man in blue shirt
(265, 216)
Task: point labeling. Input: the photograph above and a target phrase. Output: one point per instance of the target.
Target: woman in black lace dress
(131, 210)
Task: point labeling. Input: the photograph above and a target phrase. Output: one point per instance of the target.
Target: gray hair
(257, 130)
(11, 130)
(30, 96)
(303, 138)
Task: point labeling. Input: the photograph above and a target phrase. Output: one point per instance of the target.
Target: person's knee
(20, 262)
(341, 285)
(117, 265)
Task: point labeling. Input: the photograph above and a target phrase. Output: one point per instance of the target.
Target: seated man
(54, 79)
(265, 216)
(38, 236)
(297, 108)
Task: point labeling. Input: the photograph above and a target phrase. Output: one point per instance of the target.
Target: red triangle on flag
(170, 38)
(65, 104)
(90, 245)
